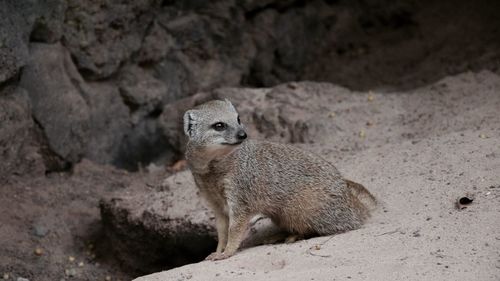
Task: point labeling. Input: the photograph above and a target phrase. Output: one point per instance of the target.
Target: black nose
(241, 135)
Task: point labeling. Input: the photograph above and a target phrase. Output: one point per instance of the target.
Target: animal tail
(363, 195)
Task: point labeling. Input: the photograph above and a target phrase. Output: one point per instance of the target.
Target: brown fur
(301, 192)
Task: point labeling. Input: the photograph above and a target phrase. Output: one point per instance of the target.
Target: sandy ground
(418, 152)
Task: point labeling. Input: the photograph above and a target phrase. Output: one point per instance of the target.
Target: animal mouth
(232, 143)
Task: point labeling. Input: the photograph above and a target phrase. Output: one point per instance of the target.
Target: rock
(14, 33)
(163, 228)
(282, 113)
(18, 147)
(300, 113)
(156, 45)
(109, 122)
(72, 272)
(288, 39)
(101, 36)
(22, 21)
(175, 74)
(40, 230)
(285, 113)
(263, 120)
(209, 51)
(48, 25)
(39, 251)
(142, 92)
(56, 95)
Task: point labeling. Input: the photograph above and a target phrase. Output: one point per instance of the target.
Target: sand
(417, 152)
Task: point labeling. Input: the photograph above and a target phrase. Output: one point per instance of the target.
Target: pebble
(108, 278)
(370, 96)
(38, 251)
(71, 258)
(70, 272)
(40, 230)
(6, 276)
(80, 264)
(362, 134)
(22, 279)
(292, 85)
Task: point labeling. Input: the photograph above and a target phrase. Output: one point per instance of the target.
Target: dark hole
(465, 200)
(167, 3)
(156, 112)
(331, 2)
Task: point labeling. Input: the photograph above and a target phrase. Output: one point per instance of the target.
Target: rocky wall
(99, 79)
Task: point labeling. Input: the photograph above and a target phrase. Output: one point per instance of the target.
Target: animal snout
(241, 135)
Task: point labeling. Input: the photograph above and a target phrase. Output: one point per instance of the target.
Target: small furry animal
(299, 191)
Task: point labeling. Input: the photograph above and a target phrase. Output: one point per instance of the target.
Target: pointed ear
(230, 104)
(189, 122)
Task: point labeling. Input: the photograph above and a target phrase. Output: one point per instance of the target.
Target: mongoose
(299, 191)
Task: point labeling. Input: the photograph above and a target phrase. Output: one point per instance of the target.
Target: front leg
(217, 204)
(238, 225)
(222, 225)
(222, 222)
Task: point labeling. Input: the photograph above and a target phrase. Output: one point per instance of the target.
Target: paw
(215, 256)
(293, 238)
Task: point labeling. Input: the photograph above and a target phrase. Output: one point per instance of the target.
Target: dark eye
(219, 126)
(239, 121)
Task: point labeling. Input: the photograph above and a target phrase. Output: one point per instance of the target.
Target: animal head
(214, 124)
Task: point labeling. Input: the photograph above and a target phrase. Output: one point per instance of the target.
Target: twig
(390, 232)
(316, 255)
(317, 247)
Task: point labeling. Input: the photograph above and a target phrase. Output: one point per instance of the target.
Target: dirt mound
(154, 228)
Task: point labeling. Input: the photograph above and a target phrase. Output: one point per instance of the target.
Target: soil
(420, 153)
(51, 227)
